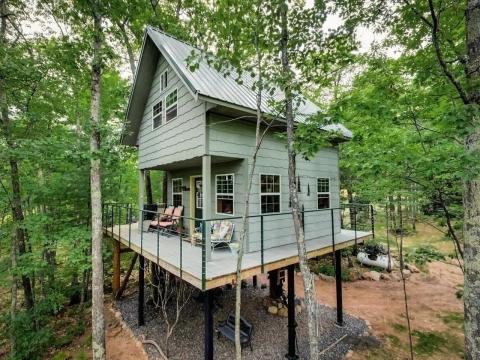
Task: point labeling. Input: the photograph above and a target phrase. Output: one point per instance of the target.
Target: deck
(183, 259)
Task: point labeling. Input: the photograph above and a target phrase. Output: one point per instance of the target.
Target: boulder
(395, 276)
(283, 312)
(298, 309)
(272, 310)
(326, 277)
(385, 277)
(280, 305)
(372, 275)
(406, 273)
(412, 268)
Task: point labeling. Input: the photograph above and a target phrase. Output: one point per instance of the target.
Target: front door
(198, 201)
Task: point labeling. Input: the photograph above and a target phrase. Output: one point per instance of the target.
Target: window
(171, 105)
(163, 81)
(269, 193)
(177, 194)
(323, 193)
(157, 114)
(224, 194)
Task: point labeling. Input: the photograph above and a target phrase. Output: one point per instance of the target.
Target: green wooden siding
(179, 139)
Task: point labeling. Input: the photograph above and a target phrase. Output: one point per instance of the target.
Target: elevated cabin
(199, 128)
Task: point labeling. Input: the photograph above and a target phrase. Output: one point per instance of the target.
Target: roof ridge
(172, 36)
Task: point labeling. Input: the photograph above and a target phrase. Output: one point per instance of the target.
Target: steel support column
(292, 324)
(338, 282)
(208, 309)
(141, 291)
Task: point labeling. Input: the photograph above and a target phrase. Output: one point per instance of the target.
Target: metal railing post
(113, 219)
(119, 220)
(129, 224)
(158, 242)
(333, 236)
(181, 250)
(262, 244)
(373, 221)
(355, 228)
(303, 218)
(204, 233)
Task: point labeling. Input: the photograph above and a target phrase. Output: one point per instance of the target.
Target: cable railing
(317, 224)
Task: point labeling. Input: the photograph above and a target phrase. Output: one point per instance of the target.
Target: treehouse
(198, 127)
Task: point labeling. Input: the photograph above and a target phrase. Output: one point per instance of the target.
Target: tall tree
(98, 321)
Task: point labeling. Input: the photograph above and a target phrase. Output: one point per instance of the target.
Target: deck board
(183, 259)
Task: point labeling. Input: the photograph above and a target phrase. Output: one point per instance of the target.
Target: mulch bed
(270, 332)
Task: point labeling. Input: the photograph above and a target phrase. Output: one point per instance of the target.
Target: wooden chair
(164, 215)
(227, 329)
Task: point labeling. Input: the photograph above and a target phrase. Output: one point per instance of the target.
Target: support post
(255, 281)
(338, 283)
(208, 309)
(275, 286)
(207, 201)
(141, 291)
(116, 268)
(292, 324)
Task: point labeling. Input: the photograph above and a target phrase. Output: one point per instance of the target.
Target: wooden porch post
(116, 268)
(207, 200)
(141, 191)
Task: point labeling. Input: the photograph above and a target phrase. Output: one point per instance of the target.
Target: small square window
(323, 193)
(269, 193)
(177, 192)
(171, 105)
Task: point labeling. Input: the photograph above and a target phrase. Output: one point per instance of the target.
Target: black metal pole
(255, 281)
(338, 282)
(208, 308)
(291, 355)
(141, 291)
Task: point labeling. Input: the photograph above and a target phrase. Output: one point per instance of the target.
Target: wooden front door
(198, 201)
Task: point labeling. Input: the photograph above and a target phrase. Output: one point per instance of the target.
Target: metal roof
(207, 83)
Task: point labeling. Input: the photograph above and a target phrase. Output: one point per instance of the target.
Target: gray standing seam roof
(210, 83)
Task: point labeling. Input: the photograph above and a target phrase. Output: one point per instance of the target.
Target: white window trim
(279, 193)
(232, 194)
(177, 193)
(161, 75)
(324, 192)
(176, 103)
(162, 113)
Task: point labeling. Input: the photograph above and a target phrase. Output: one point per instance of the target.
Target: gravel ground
(270, 332)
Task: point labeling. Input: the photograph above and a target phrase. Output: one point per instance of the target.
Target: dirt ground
(435, 311)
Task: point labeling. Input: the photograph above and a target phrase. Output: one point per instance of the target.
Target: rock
(280, 305)
(272, 310)
(326, 277)
(385, 277)
(349, 354)
(406, 273)
(395, 276)
(412, 268)
(283, 312)
(372, 275)
(298, 309)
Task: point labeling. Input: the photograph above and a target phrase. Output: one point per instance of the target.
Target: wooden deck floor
(185, 260)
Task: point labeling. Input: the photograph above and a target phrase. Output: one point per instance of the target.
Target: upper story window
(163, 80)
(157, 114)
(177, 194)
(323, 193)
(269, 193)
(224, 193)
(171, 103)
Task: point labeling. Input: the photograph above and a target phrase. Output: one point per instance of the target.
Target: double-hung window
(224, 193)
(269, 193)
(171, 105)
(163, 81)
(323, 193)
(157, 114)
(177, 194)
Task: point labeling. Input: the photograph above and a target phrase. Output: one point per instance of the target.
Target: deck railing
(355, 217)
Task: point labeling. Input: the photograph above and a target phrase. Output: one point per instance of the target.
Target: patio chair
(227, 329)
(222, 233)
(171, 223)
(163, 215)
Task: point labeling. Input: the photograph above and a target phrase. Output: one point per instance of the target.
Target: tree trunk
(16, 201)
(98, 322)
(471, 196)
(308, 281)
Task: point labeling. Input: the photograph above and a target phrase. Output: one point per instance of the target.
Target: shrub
(423, 254)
